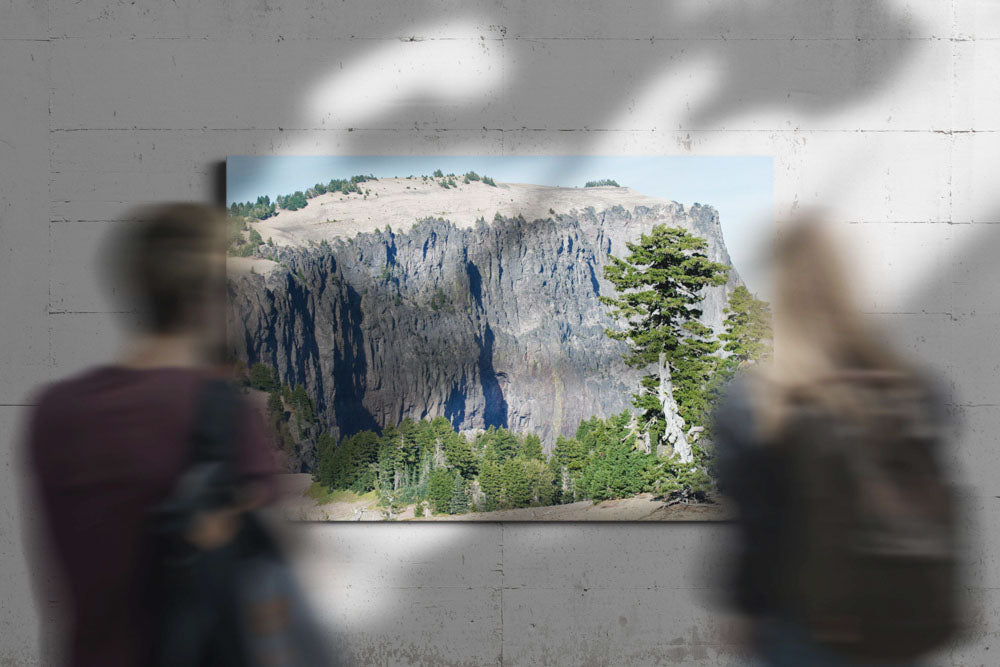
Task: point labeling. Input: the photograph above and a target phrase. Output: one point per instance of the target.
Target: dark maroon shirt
(105, 447)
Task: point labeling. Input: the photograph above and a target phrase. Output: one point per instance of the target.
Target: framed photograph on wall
(499, 338)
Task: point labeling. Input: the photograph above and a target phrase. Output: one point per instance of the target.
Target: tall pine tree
(459, 502)
(659, 290)
(748, 333)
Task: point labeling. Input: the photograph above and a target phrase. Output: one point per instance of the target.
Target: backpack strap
(212, 434)
(214, 438)
(208, 481)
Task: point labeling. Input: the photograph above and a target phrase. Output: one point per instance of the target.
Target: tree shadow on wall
(766, 62)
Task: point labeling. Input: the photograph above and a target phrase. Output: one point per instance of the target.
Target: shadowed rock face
(498, 324)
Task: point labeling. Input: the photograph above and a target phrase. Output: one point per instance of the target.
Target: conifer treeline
(263, 208)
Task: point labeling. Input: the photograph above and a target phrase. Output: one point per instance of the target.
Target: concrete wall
(885, 112)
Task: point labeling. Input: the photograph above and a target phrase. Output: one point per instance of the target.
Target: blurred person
(831, 453)
(114, 453)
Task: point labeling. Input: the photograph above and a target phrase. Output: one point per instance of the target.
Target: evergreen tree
(439, 490)
(531, 447)
(459, 501)
(506, 444)
(614, 468)
(261, 378)
(275, 407)
(659, 289)
(569, 456)
(748, 329)
(556, 471)
(491, 482)
(517, 487)
(327, 461)
(386, 464)
(458, 452)
(409, 447)
(541, 481)
(303, 404)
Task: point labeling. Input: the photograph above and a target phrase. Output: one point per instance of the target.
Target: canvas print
(496, 338)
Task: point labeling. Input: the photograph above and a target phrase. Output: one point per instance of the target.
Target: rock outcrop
(496, 324)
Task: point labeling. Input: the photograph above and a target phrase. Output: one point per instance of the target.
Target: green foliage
(438, 173)
(439, 490)
(502, 443)
(275, 406)
(261, 377)
(427, 460)
(489, 181)
(320, 493)
(459, 454)
(491, 483)
(471, 176)
(568, 458)
(747, 338)
(351, 465)
(614, 468)
(748, 332)
(541, 480)
(303, 404)
(659, 289)
(258, 210)
(255, 238)
(418, 510)
(531, 447)
(238, 246)
(517, 487)
(292, 202)
(602, 183)
(439, 300)
(688, 480)
(458, 503)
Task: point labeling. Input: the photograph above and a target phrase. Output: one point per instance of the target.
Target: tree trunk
(438, 454)
(673, 432)
(642, 434)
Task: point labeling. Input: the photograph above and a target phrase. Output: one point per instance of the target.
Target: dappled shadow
(788, 60)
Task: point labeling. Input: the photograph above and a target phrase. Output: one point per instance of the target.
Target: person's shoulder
(61, 393)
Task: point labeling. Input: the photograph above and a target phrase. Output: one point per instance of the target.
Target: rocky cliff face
(494, 324)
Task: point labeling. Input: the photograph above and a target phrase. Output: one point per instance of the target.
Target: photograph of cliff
(495, 338)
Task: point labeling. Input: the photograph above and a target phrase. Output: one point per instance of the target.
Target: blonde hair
(820, 336)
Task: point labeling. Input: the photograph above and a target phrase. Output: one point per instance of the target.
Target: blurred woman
(830, 453)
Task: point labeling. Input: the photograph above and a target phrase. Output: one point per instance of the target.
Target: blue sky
(741, 188)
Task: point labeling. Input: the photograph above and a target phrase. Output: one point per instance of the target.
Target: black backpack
(220, 607)
(873, 553)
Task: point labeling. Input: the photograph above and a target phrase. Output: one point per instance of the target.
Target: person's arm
(256, 485)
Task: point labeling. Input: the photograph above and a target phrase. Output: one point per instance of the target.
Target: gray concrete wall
(885, 112)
